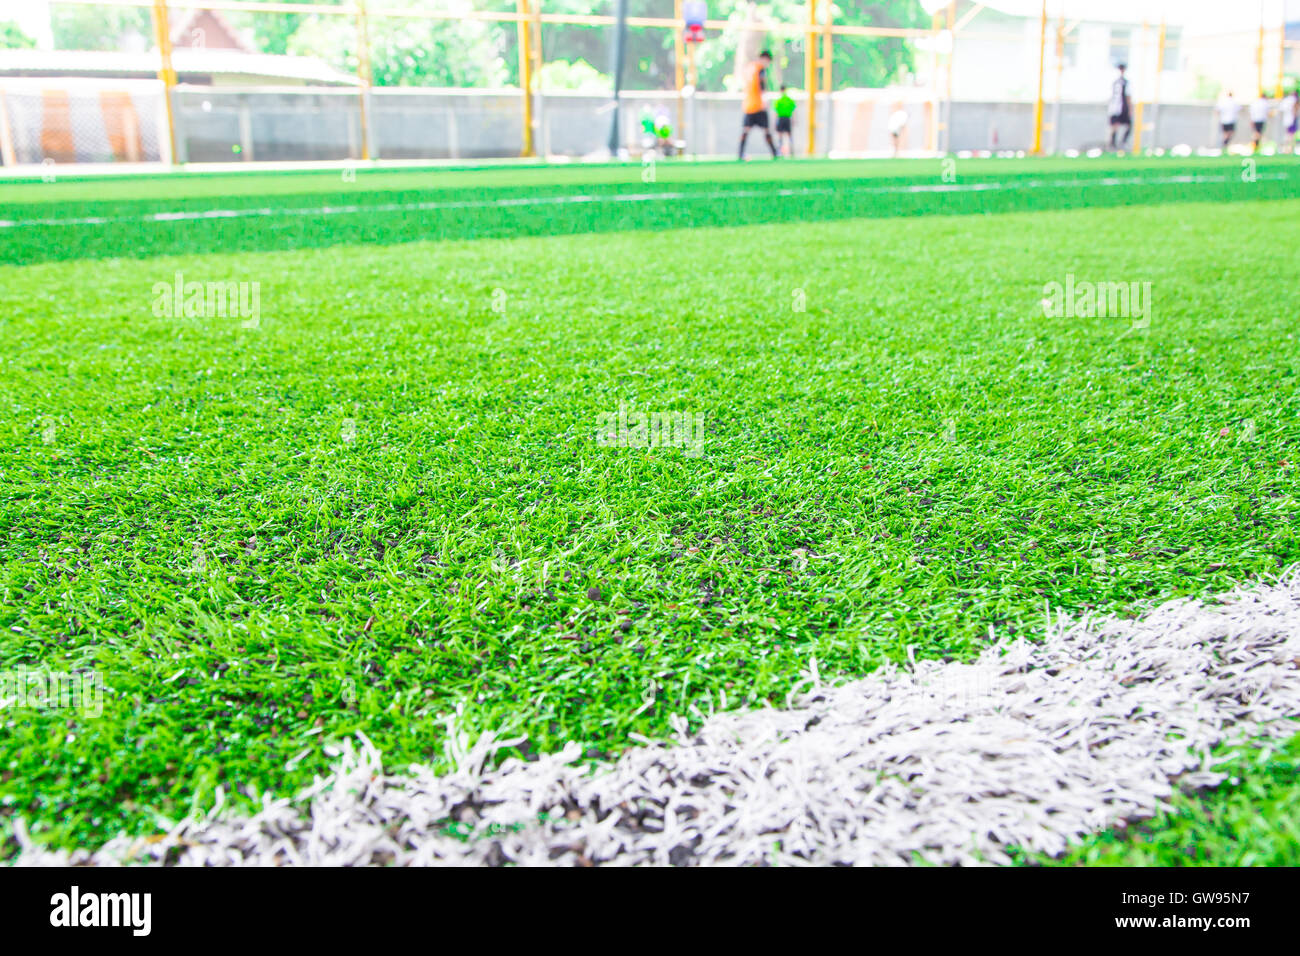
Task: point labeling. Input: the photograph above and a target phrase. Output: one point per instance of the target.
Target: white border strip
(1031, 745)
(678, 196)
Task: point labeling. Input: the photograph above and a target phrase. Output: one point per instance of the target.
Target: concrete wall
(296, 124)
(1010, 126)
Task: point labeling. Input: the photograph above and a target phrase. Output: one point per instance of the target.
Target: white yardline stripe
(1031, 745)
(354, 208)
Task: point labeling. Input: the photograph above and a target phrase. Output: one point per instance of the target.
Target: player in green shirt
(784, 107)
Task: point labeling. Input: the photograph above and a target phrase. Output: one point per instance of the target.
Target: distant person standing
(784, 107)
(663, 131)
(897, 123)
(1289, 122)
(647, 128)
(1259, 108)
(1227, 109)
(1120, 109)
(755, 109)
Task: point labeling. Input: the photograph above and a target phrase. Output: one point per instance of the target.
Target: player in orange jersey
(755, 108)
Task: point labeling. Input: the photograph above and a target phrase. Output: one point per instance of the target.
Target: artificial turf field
(387, 503)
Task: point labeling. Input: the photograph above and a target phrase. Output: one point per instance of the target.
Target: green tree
(96, 28)
(471, 53)
(406, 52)
(13, 38)
(271, 32)
(578, 76)
(650, 50)
(875, 61)
(440, 53)
(858, 61)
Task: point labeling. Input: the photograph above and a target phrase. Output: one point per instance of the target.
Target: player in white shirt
(1259, 108)
(1289, 103)
(1227, 109)
(897, 123)
(1120, 110)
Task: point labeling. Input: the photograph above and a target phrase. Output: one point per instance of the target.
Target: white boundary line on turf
(676, 196)
(1030, 746)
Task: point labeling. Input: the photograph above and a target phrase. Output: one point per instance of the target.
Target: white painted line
(1031, 745)
(434, 205)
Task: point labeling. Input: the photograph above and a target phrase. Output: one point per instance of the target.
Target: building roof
(187, 60)
(185, 23)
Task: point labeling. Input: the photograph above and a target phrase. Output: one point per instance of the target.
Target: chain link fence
(429, 80)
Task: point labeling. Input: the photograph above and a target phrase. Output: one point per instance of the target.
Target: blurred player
(647, 129)
(663, 128)
(897, 123)
(1258, 118)
(1227, 109)
(755, 109)
(784, 107)
(1289, 121)
(1120, 110)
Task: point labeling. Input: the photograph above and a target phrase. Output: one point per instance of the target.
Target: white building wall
(996, 59)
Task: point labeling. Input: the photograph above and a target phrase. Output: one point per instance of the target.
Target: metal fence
(68, 119)
(105, 121)
(81, 121)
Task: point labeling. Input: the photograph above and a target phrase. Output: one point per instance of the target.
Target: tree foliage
(13, 38)
(463, 52)
(100, 28)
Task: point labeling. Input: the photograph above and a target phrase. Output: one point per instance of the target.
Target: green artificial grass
(108, 219)
(68, 185)
(386, 504)
(1253, 819)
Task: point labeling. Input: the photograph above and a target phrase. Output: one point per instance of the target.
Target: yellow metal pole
(828, 59)
(947, 87)
(535, 49)
(1155, 87)
(1060, 80)
(932, 128)
(364, 75)
(1259, 53)
(163, 33)
(693, 78)
(1042, 67)
(526, 77)
(810, 75)
(1281, 56)
(679, 58)
(7, 154)
(1137, 119)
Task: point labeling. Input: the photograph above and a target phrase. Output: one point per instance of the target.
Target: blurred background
(206, 81)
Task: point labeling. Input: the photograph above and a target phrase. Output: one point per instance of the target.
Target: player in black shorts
(1259, 110)
(1227, 109)
(755, 108)
(1121, 110)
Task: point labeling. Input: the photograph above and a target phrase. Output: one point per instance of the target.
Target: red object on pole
(695, 12)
